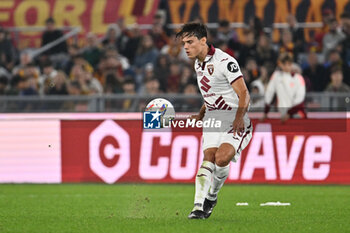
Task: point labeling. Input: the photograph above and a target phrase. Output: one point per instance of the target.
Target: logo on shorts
(152, 120)
(210, 69)
(232, 67)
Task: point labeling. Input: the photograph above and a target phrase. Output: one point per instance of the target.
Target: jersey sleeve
(301, 91)
(231, 69)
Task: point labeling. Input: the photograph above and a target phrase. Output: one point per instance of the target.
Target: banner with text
(91, 15)
(120, 151)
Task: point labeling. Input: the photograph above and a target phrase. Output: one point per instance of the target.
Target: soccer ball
(164, 107)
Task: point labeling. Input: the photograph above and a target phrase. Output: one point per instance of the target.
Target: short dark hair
(198, 30)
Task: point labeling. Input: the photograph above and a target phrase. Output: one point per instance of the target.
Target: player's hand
(238, 127)
(197, 117)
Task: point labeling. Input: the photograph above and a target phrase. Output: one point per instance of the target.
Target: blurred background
(115, 55)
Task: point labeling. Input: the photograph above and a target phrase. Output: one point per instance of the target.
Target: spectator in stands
(187, 77)
(129, 89)
(7, 51)
(111, 51)
(333, 59)
(289, 89)
(298, 37)
(13, 88)
(51, 34)
(175, 49)
(248, 49)
(107, 66)
(315, 73)
(152, 87)
(258, 90)
(265, 55)
(129, 86)
(146, 53)
(345, 45)
(255, 24)
(57, 85)
(148, 71)
(252, 70)
(79, 60)
(337, 84)
(112, 84)
(327, 16)
(187, 104)
(332, 37)
(3, 85)
(88, 84)
(264, 75)
(287, 45)
(225, 33)
(29, 86)
(92, 53)
(26, 61)
(67, 64)
(161, 71)
(158, 35)
(131, 40)
(160, 19)
(47, 76)
(174, 77)
(112, 35)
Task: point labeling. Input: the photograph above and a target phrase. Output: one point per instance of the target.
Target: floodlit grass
(164, 208)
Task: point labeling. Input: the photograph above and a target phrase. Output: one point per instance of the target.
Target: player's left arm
(241, 89)
(232, 72)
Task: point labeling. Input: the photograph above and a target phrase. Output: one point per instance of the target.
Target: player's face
(193, 46)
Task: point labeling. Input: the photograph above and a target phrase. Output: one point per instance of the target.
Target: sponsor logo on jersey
(209, 95)
(210, 68)
(232, 67)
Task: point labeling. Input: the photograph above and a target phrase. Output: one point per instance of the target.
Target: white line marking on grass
(242, 204)
(275, 204)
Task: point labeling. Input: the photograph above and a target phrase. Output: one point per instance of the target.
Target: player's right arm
(200, 115)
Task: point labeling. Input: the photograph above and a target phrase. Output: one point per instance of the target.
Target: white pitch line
(275, 204)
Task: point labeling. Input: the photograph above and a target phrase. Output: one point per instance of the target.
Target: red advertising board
(113, 151)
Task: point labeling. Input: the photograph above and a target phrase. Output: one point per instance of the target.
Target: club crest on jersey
(232, 67)
(210, 68)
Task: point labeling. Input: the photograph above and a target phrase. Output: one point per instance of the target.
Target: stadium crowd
(133, 61)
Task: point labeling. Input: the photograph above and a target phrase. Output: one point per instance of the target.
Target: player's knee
(209, 155)
(222, 159)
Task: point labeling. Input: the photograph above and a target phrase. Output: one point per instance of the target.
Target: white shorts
(215, 139)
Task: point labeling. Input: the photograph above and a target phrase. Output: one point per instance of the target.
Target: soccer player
(226, 98)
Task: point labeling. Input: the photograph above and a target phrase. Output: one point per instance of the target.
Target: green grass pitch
(164, 208)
